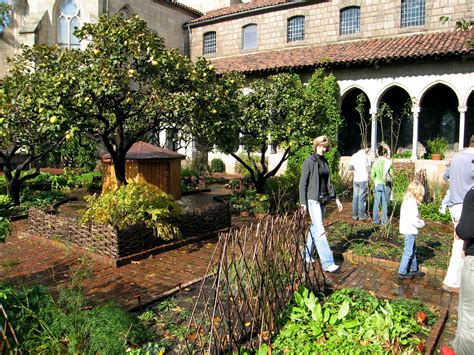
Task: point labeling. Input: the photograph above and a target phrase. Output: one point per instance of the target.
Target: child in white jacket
(409, 224)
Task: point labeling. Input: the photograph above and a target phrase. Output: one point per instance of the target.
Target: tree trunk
(119, 167)
(13, 189)
(260, 183)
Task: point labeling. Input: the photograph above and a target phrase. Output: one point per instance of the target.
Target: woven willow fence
(255, 272)
(8, 341)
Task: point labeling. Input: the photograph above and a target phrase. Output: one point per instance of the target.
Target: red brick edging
(349, 256)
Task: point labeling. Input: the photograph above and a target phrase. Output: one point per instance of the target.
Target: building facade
(396, 53)
(53, 21)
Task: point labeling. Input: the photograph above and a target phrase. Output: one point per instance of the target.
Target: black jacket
(465, 228)
(309, 181)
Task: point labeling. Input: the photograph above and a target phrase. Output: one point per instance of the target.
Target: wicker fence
(114, 243)
(8, 341)
(259, 267)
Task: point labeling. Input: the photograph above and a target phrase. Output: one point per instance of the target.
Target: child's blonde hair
(416, 190)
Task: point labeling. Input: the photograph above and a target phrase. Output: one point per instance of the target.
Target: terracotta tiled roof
(434, 44)
(142, 150)
(234, 9)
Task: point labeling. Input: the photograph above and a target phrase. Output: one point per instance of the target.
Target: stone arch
(439, 114)
(349, 133)
(469, 117)
(126, 11)
(435, 83)
(395, 117)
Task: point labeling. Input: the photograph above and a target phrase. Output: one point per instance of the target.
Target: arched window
(209, 43)
(413, 13)
(349, 20)
(296, 29)
(249, 36)
(68, 20)
(125, 12)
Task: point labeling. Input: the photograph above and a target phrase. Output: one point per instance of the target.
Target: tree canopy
(279, 110)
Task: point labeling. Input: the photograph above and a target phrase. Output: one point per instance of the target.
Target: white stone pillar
(373, 130)
(414, 154)
(462, 125)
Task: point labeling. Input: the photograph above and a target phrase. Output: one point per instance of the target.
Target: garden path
(26, 261)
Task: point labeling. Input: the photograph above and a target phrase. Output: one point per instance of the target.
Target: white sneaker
(332, 268)
(309, 259)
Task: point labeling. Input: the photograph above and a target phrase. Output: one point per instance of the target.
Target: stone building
(53, 21)
(393, 52)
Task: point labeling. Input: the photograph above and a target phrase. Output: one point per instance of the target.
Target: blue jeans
(382, 196)
(317, 235)
(359, 200)
(408, 262)
(463, 343)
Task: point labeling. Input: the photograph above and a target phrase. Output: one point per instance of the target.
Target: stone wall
(379, 18)
(107, 241)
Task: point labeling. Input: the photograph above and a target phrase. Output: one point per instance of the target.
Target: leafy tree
(126, 86)
(279, 110)
(78, 152)
(28, 126)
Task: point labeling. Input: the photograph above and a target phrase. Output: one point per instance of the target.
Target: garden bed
(121, 246)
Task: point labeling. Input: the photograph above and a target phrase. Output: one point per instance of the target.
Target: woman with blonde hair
(409, 223)
(315, 191)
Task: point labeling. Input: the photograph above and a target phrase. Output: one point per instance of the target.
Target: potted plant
(437, 147)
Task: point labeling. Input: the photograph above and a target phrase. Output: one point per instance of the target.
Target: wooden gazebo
(147, 163)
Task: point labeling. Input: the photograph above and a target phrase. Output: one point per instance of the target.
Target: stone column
(373, 130)
(415, 110)
(462, 125)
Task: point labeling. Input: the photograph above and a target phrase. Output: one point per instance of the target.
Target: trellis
(254, 272)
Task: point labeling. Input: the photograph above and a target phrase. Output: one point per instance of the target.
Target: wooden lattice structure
(257, 269)
(147, 163)
(8, 342)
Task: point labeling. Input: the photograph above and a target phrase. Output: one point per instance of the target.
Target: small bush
(5, 203)
(64, 326)
(132, 204)
(217, 165)
(403, 155)
(5, 229)
(430, 211)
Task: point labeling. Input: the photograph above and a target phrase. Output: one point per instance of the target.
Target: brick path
(29, 261)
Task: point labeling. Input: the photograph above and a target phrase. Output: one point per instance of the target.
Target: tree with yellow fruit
(30, 127)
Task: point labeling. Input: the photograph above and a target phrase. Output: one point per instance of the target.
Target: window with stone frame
(69, 19)
(295, 29)
(209, 43)
(413, 13)
(349, 20)
(249, 36)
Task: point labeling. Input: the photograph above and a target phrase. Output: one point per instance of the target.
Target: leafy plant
(217, 165)
(132, 204)
(438, 145)
(430, 211)
(351, 321)
(5, 228)
(402, 155)
(261, 205)
(5, 203)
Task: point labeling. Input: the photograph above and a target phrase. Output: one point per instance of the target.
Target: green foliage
(282, 192)
(295, 161)
(278, 110)
(438, 145)
(78, 152)
(5, 203)
(65, 326)
(403, 155)
(350, 321)
(132, 204)
(5, 229)
(217, 165)
(244, 200)
(430, 211)
(401, 180)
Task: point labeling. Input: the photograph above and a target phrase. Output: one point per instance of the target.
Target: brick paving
(27, 261)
